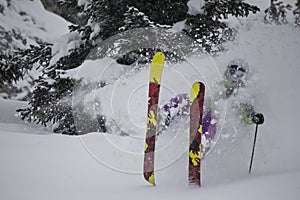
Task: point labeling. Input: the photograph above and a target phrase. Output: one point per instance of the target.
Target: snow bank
(57, 167)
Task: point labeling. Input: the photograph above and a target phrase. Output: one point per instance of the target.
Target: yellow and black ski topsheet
(154, 86)
(196, 113)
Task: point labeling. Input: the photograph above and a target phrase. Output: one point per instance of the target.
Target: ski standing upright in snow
(152, 115)
(196, 113)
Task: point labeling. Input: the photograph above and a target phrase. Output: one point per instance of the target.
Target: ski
(152, 114)
(196, 112)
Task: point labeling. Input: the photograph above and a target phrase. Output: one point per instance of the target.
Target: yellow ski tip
(151, 179)
(157, 67)
(194, 92)
(159, 58)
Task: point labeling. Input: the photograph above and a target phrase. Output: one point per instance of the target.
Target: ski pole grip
(258, 118)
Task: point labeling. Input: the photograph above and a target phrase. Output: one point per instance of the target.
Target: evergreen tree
(51, 99)
(14, 67)
(9, 70)
(296, 12)
(209, 30)
(135, 19)
(9, 73)
(111, 18)
(51, 103)
(276, 13)
(68, 9)
(164, 12)
(221, 9)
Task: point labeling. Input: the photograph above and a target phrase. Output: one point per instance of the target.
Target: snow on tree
(296, 12)
(50, 101)
(277, 12)
(135, 19)
(70, 10)
(209, 29)
(15, 68)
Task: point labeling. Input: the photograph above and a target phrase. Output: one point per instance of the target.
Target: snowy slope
(229, 160)
(36, 164)
(58, 167)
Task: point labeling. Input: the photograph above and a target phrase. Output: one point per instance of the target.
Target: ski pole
(258, 118)
(252, 155)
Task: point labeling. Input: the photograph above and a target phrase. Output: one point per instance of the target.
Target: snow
(37, 164)
(195, 6)
(31, 21)
(63, 45)
(27, 22)
(57, 167)
(83, 2)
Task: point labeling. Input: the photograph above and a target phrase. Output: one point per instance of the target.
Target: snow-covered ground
(37, 164)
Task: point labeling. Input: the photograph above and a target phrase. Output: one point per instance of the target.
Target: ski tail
(196, 113)
(152, 115)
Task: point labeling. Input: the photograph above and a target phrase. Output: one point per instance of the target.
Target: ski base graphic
(196, 113)
(152, 115)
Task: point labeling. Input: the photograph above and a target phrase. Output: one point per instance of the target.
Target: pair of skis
(196, 112)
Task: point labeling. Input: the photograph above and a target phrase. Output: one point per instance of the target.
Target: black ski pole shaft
(252, 155)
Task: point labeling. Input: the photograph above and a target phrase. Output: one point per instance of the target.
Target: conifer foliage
(51, 100)
(51, 104)
(14, 67)
(277, 12)
(209, 30)
(296, 12)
